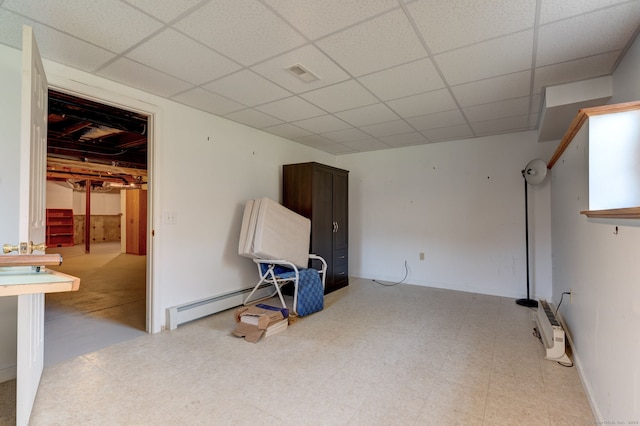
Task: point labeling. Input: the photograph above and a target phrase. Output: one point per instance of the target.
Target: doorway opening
(97, 183)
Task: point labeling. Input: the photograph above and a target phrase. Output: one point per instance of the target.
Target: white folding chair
(279, 273)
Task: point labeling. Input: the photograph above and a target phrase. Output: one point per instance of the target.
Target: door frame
(153, 113)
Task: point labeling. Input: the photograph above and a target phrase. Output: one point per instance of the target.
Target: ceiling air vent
(302, 73)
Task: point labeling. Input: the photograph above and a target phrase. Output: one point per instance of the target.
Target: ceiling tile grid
(248, 88)
(113, 25)
(68, 50)
(447, 25)
(322, 124)
(253, 118)
(126, 71)
(390, 73)
(287, 131)
(182, 57)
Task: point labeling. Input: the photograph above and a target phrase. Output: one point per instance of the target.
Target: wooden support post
(87, 218)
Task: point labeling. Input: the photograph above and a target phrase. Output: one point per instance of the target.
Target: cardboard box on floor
(254, 329)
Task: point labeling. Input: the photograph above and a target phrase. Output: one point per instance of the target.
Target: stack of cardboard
(256, 322)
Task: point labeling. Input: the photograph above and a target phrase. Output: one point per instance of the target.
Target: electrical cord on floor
(536, 333)
(406, 273)
(561, 297)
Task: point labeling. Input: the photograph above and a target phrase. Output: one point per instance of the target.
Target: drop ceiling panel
(182, 57)
(380, 43)
(318, 18)
(248, 88)
(586, 35)
(370, 114)
(439, 119)
(487, 59)
(366, 145)
(405, 139)
(53, 44)
(164, 10)
(403, 80)
(137, 75)
(341, 96)
(474, 21)
(500, 109)
(493, 89)
(448, 133)
(243, 30)
(424, 103)
(322, 124)
(437, 65)
(337, 149)
(315, 141)
(113, 25)
(207, 101)
(291, 109)
(346, 135)
(557, 10)
(253, 118)
(509, 124)
(389, 128)
(579, 69)
(311, 58)
(288, 131)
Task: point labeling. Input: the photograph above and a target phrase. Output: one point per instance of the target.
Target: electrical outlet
(421, 255)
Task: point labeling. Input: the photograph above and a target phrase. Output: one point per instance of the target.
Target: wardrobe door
(322, 219)
(341, 230)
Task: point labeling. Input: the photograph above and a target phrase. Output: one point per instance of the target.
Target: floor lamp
(533, 174)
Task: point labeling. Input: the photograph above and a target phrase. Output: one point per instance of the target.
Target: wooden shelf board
(626, 213)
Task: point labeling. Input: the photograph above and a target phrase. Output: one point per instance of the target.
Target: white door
(32, 208)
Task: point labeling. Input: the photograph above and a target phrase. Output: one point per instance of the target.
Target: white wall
(61, 197)
(101, 203)
(601, 268)
(58, 196)
(459, 202)
(9, 186)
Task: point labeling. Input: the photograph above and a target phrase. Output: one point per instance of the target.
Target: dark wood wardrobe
(321, 193)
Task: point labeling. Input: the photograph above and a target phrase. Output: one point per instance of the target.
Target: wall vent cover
(302, 73)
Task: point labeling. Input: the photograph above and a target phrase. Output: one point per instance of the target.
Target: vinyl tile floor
(376, 355)
(108, 308)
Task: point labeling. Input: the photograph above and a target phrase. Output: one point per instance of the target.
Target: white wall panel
(462, 204)
(600, 267)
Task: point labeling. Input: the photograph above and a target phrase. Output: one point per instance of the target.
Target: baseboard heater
(184, 313)
(551, 333)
